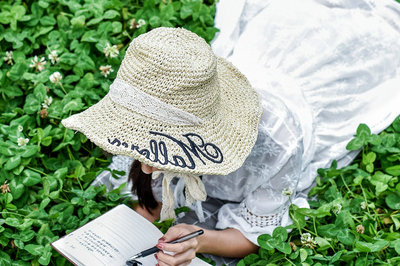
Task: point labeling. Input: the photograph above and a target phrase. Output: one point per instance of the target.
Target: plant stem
(345, 184)
(289, 261)
(12, 213)
(311, 232)
(315, 227)
(38, 171)
(54, 117)
(62, 87)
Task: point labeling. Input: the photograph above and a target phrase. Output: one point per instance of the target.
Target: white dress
(321, 68)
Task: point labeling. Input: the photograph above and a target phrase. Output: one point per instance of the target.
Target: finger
(161, 263)
(177, 259)
(178, 247)
(175, 232)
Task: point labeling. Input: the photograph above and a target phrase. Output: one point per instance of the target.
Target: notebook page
(111, 239)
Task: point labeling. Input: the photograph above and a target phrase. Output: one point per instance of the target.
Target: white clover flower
(287, 191)
(55, 77)
(20, 128)
(8, 58)
(140, 23)
(22, 141)
(111, 51)
(105, 70)
(53, 57)
(38, 64)
(363, 205)
(337, 208)
(47, 101)
(307, 240)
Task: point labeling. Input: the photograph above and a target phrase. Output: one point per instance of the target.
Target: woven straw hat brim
(232, 131)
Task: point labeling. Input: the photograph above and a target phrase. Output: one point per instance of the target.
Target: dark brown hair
(141, 186)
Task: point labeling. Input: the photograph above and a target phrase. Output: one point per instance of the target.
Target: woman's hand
(180, 253)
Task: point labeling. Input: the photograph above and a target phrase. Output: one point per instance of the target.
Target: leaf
(90, 36)
(303, 254)
(396, 124)
(380, 181)
(393, 201)
(322, 243)
(363, 131)
(17, 71)
(68, 58)
(116, 27)
(155, 21)
(14, 222)
(17, 11)
(32, 104)
(78, 21)
(5, 258)
(280, 233)
(30, 178)
(369, 158)
(393, 170)
(396, 245)
(40, 92)
(73, 105)
(110, 14)
(283, 247)
(13, 91)
(29, 151)
(354, 144)
(61, 173)
(34, 249)
(251, 259)
(379, 245)
(17, 189)
(48, 21)
(297, 218)
(345, 237)
(12, 162)
(94, 21)
(336, 257)
(263, 241)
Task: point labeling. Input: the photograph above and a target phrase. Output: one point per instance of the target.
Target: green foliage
(45, 169)
(354, 219)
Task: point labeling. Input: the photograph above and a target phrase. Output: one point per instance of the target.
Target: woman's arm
(228, 243)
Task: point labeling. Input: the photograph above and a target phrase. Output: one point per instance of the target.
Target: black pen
(156, 249)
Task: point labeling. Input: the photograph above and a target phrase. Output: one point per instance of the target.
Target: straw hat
(175, 106)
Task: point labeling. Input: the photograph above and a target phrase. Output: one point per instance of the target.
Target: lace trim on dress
(261, 220)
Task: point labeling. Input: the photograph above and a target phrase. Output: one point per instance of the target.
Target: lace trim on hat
(261, 220)
(136, 100)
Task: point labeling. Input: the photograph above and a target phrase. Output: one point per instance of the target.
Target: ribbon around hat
(195, 191)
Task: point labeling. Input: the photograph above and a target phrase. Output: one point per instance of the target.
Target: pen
(155, 249)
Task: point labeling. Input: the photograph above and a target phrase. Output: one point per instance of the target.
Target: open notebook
(111, 239)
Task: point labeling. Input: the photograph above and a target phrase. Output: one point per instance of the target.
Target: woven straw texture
(178, 68)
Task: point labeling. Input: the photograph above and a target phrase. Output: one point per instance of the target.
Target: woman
(193, 114)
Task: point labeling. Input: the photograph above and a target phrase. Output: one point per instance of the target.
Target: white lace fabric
(261, 220)
(136, 100)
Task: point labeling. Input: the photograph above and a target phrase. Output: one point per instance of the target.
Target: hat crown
(176, 66)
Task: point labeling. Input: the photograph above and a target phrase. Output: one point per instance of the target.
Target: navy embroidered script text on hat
(158, 151)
